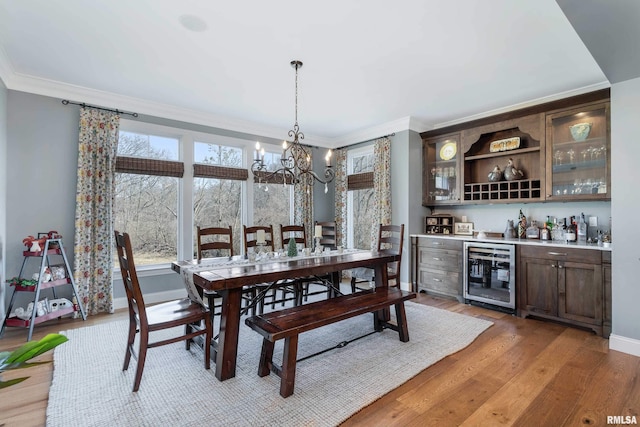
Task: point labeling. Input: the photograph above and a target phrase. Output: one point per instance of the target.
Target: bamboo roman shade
(220, 172)
(358, 181)
(142, 166)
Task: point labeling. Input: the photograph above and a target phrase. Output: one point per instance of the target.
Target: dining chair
(143, 319)
(298, 233)
(329, 235)
(300, 286)
(257, 293)
(329, 238)
(390, 238)
(214, 242)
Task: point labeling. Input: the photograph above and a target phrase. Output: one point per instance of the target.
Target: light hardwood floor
(520, 372)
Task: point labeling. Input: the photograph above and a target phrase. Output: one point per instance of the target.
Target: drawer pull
(437, 259)
(437, 280)
(436, 243)
(558, 253)
(560, 266)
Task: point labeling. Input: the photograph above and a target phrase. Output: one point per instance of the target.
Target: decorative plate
(448, 151)
(505, 144)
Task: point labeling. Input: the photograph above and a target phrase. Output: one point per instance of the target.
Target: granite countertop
(535, 242)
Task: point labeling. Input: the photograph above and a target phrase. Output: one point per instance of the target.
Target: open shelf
(43, 285)
(15, 321)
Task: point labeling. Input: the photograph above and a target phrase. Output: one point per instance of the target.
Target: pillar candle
(260, 236)
(318, 231)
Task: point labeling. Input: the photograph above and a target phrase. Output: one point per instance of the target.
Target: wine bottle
(582, 230)
(570, 235)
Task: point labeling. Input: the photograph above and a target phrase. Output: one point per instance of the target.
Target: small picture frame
(463, 228)
(432, 221)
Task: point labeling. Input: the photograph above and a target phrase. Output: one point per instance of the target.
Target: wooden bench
(290, 322)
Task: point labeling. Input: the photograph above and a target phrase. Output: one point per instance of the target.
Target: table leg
(334, 291)
(228, 338)
(381, 280)
(380, 275)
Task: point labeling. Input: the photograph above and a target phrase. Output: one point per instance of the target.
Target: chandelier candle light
(295, 162)
(317, 235)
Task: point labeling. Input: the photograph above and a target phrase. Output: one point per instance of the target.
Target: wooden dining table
(229, 278)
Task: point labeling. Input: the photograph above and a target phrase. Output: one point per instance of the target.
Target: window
(170, 180)
(360, 197)
(146, 198)
(272, 200)
(217, 192)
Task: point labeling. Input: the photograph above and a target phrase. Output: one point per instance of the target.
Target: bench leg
(288, 375)
(266, 357)
(401, 319)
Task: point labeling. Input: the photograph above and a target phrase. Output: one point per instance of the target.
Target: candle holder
(318, 247)
(261, 251)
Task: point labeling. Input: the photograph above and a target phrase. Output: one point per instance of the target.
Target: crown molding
(55, 89)
(6, 70)
(372, 132)
(555, 97)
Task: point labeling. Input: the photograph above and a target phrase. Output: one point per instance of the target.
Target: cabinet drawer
(589, 256)
(444, 282)
(439, 259)
(429, 242)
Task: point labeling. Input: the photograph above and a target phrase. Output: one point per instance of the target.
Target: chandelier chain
(295, 161)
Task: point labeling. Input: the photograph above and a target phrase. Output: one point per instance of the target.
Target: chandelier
(295, 163)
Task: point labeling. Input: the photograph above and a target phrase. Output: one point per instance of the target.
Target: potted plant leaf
(18, 358)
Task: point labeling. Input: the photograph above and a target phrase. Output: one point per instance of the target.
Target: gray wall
(324, 204)
(625, 156)
(3, 193)
(406, 191)
(42, 138)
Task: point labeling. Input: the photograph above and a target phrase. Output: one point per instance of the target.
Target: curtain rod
(367, 140)
(66, 102)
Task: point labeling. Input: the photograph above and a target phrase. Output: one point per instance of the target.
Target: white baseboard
(624, 344)
(152, 298)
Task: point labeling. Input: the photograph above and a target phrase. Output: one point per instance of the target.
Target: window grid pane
(362, 217)
(146, 207)
(147, 146)
(218, 203)
(215, 154)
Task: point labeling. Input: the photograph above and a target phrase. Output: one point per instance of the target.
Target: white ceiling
(369, 67)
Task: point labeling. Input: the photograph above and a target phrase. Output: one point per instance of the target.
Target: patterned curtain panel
(381, 187)
(303, 203)
(341, 196)
(93, 252)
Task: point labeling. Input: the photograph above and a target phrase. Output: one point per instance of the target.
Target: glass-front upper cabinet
(440, 181)
(579, 153)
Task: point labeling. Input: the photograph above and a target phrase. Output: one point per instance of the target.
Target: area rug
(89, 387)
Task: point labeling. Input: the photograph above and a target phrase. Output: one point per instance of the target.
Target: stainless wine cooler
(490, 274)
